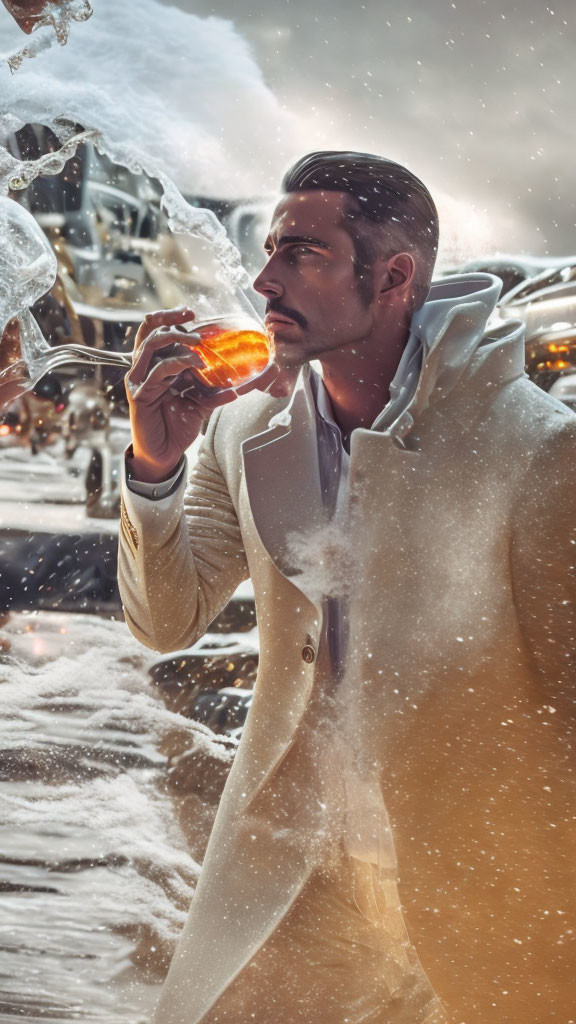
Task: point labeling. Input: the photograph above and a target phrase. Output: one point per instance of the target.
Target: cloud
(475, 98)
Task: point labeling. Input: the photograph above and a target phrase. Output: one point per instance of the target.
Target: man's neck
(358, 378)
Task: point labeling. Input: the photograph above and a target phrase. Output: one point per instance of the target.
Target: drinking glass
(234, 349)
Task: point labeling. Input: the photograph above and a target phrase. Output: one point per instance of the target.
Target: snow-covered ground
(39, 493)
(96, 875)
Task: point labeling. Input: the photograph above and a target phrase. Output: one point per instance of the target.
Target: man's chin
(288, 357)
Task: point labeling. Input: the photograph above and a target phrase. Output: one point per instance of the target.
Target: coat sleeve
(180, 558)
(543, 560)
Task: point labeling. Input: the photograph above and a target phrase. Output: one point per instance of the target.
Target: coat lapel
(282, 477)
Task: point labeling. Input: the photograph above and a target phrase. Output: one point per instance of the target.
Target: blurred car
(223, 663)
(224, 710)
(34, 418)
(514, 270)
(546, 300)
(541, 292)
(546, 304)
(564, 388)
(11, 427)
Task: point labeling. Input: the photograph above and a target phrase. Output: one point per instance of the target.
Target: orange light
(4, 430)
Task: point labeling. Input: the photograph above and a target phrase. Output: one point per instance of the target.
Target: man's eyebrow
(298, 240)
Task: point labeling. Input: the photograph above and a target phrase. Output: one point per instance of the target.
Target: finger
(190, 385)
(163, 320)
(207, 399)
(191, 388)
(162, 375)
(162, 337)
(160, 318)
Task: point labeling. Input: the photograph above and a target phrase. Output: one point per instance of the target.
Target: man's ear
(399, 272)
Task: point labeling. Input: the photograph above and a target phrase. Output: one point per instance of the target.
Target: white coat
(443, 765)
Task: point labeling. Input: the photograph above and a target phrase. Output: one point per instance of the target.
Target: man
(395, 843)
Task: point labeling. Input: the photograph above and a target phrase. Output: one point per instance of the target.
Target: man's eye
(294, 251)
(301, 250)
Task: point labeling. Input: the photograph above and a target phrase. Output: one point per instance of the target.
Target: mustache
(277, 307)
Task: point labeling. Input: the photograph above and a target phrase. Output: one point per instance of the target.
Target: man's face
(313, 301)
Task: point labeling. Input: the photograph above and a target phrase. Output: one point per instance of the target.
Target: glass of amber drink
(234, 349)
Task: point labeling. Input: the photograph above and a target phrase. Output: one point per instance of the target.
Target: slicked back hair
(389, 210)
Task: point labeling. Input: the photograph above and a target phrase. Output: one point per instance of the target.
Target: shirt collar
(323, 403)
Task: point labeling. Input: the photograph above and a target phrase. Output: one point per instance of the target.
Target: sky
(475, 96)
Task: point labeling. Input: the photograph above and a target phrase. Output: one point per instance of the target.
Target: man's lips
(277, 318)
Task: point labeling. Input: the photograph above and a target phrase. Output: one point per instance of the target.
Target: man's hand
(26, 12)
(165, 422)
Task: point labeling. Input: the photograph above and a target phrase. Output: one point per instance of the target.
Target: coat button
(308, 653)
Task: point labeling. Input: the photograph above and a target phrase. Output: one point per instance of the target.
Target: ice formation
(53, 25)
(27, 271)
(27, 263)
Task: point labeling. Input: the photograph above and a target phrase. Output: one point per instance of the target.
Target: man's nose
(267, 285)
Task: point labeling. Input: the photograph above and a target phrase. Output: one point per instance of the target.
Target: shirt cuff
(154, 491)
